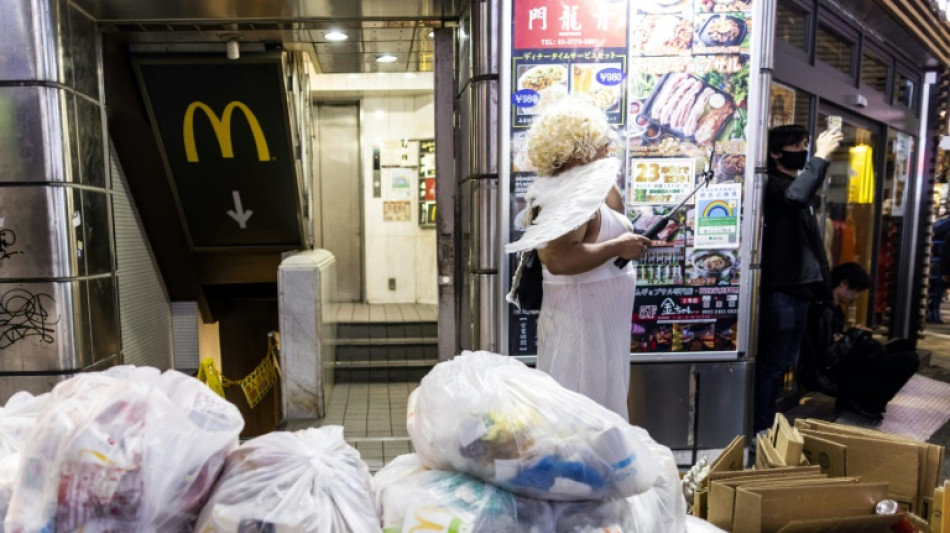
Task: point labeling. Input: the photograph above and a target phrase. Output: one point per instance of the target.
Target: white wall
(401, 250)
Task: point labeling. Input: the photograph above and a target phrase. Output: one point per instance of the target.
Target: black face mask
(793, 160)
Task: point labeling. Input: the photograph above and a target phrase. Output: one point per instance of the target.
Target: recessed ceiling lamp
(386, 58)
(336, 35)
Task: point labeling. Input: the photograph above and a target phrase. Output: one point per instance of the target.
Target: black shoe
(858, 409)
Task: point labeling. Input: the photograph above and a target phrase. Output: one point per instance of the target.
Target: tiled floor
(373, 416)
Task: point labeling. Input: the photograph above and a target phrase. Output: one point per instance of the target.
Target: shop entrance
(863, 206)
(850, 202)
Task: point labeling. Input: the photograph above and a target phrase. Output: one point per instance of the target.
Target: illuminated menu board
(673, 77)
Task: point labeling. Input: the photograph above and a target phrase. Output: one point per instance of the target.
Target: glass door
(850, 203)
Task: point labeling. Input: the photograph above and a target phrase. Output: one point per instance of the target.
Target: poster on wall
(427, 183)
(688, 90)
(660, 181)
(559, 48)
(717, 216)
(400, 182)
(685, 319)
(672, 76)
(397, 211)
(781, 105)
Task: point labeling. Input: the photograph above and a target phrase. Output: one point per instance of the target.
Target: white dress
(584, 327)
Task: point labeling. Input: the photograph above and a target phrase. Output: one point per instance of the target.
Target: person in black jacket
(847, 363)
(794, 266)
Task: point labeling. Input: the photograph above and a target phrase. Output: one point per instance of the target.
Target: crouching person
(861, 372)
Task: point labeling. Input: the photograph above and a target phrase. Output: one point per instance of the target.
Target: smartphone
(834, 123)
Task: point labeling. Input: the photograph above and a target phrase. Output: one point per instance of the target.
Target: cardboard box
(766, 456)
(866, 524)
(829, 455)
(935, 516)
(788, 441)
(722, 494)
(930, 456)
(702, 496)
(732, 457)
(769, 509)
(896, 469)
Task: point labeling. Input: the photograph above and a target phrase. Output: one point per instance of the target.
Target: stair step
(386, 341)
(386, 352)
(380, 375)
(382, 330)
(404, 363)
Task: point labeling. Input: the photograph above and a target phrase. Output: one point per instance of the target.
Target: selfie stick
(706, 176)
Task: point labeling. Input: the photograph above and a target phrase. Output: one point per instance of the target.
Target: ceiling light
(431, 33)
(335, 35)
(386, 58)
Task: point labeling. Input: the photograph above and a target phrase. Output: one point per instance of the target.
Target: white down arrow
(238, 213)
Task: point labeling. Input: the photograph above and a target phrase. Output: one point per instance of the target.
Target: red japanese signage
(570, 24)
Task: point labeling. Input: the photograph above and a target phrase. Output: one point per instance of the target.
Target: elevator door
(340, 230)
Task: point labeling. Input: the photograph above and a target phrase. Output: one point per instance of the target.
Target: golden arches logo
(222, 130)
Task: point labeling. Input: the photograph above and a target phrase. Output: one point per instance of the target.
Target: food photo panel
(722, 33)
(722, 6)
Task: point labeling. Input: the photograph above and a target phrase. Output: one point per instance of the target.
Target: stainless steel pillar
(478, 125)
(58, 296)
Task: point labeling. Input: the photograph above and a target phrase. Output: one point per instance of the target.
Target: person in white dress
(575, 219)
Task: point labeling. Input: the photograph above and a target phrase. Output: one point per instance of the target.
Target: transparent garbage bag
(492, 417)
(662, 508)
(308, 481)
(698, 525)
(127, 449)
(17, 418)
(413, 498)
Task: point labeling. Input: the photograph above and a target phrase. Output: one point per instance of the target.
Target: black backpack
(530, 287)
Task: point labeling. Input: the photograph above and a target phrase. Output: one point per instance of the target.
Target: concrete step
(386, 330)
(386, 352)
(381, 374)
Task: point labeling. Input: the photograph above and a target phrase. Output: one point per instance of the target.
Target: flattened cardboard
(722, 494)
(874, 459)
(945, 508)
(857, 524)
(700, 500)
(701, 503)
(775, 472)
(788, 441)
(731, 458)
(931, 511)
(769, 509)
(930, 456)
(829, 455)
(766, 456)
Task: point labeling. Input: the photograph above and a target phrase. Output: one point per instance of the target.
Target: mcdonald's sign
(222, 130)
(225, 136)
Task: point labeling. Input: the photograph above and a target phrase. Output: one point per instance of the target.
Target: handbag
(530, 286)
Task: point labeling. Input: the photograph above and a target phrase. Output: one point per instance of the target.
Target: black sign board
(224, 132)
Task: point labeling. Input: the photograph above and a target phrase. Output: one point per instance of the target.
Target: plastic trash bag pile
(128, 449)
(308, 481)
(502, 447)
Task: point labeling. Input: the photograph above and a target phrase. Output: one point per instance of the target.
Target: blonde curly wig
(572, 128)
